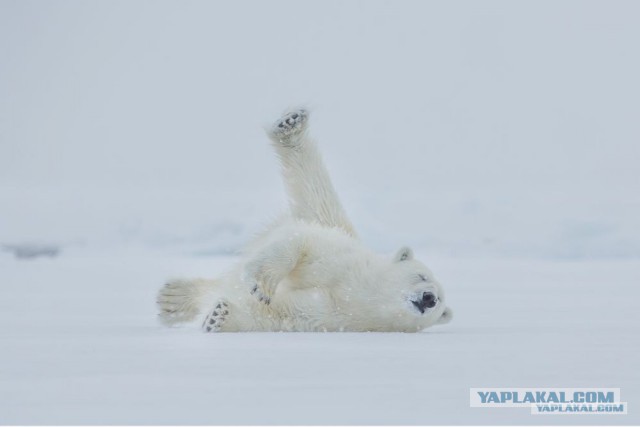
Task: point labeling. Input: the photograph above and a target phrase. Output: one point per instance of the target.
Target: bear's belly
(308, 310)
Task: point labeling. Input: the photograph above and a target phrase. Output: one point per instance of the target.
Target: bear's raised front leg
(311, 193)
(264, 271)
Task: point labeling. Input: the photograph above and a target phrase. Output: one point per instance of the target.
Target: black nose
(428, 300)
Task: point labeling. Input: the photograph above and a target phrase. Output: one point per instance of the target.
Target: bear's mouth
(418, 306)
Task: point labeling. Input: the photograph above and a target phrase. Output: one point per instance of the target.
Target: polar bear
(309, 271)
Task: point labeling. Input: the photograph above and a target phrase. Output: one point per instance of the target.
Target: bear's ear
(404, 254)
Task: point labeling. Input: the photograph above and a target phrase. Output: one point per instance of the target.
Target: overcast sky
(464, 103)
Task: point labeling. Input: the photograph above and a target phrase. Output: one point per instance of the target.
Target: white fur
(308, 271)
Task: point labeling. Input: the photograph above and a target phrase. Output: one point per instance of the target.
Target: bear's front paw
(259, 283)
(287, 129)
(216, 318)
(260, 293)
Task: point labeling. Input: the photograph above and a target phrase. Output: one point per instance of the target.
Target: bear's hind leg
(179, 300)
(216, 318)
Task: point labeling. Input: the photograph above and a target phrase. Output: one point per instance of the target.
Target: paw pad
(290, 124)
(214, 321)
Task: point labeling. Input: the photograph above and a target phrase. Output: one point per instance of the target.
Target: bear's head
(418, 296)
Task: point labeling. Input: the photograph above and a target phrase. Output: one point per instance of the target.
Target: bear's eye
(422, 277)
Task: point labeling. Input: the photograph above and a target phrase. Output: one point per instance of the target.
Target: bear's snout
(428, 300)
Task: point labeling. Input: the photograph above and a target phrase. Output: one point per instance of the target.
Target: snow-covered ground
(80, 344)
(498, 138)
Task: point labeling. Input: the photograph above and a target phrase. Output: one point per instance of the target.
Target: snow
(498, 139)
(81, 345)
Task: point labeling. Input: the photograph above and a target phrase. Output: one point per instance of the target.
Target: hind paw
(177, 301)
(216, 318)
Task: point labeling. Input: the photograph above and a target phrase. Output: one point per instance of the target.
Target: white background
(500, 139)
